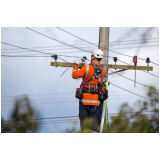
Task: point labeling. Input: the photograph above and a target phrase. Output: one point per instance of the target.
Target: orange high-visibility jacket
(88, 98)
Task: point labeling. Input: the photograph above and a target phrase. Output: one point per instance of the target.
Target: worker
(91, 93)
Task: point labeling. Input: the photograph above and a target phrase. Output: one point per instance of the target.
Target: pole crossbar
(110, 66)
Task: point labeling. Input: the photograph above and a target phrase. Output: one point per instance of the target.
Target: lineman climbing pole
(104, 45)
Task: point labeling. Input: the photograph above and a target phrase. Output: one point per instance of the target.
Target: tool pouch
(79, 93)
(102, 94)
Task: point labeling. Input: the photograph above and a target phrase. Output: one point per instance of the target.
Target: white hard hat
(98, 53)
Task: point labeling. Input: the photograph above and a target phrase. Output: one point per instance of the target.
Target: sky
(54, 96)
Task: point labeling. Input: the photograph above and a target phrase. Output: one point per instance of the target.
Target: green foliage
(20, 120)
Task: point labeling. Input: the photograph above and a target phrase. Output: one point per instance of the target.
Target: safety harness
(93, 89)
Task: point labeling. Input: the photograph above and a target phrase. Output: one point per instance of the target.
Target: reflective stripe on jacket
(86, 73)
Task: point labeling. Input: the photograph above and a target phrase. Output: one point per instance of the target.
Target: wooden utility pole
(104, 45)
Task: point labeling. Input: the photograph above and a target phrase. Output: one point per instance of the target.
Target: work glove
(84, 61)
(77, 61)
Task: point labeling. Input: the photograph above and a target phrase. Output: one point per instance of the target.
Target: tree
(143, 118)
(21, 118)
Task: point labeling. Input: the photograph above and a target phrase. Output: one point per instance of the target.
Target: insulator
(147, 60)
(84, 57)
(115, 59)
(55, 57)
(135, 60)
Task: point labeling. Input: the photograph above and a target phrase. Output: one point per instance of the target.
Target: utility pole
(104, 45)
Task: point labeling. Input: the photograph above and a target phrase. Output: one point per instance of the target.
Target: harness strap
(99, 79)
(90, 79)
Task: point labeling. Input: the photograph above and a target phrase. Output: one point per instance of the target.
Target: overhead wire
(141, 70)
(66, 44)
(61, 41)
(19, 51)
(66, 117)
(122, 96)
(87, 44)
(132, 80)
(55, 40)
(21, 56)
(97, 45)
(133, 93)
(53, 102)
(33, 51)
(58, 94)
(77, 47)
(25, 48)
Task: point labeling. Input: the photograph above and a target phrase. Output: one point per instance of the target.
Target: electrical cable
(134, 93)
(25, 48)
(61, 42)
(97, 45)
(110, 114)
(154, 63)
(122, 96)
(57, 40)
(67, 69)
(133, 80)
(81, 47)
(141, 70)
(22, 56)
(87, 44)
(57, 94)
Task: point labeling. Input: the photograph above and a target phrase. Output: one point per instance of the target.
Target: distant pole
(104, 45)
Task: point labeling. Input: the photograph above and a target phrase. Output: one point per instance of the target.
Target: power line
(134, 93)
(46, 100)
(57, 94)
(87, 44)
(19, 51)
(64, 117)
(154, 63)
(133, 80)
(45, 50)
(25, 48)
(130, 65)
(56, 40)
(97, 45)
(60, 41)
(35, 102)
(136, 47)
(141, 70)
(22, 56)
(33, 51)
(134, 40)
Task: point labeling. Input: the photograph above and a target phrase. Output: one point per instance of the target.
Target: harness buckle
(93, 89)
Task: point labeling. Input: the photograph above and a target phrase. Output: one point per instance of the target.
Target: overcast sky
(41, 82)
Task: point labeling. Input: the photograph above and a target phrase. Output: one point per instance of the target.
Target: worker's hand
(84, 61)
(77, 61)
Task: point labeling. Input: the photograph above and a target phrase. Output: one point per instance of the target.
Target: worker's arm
(78, 73)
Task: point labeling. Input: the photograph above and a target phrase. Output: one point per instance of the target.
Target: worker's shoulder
(88, 65)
